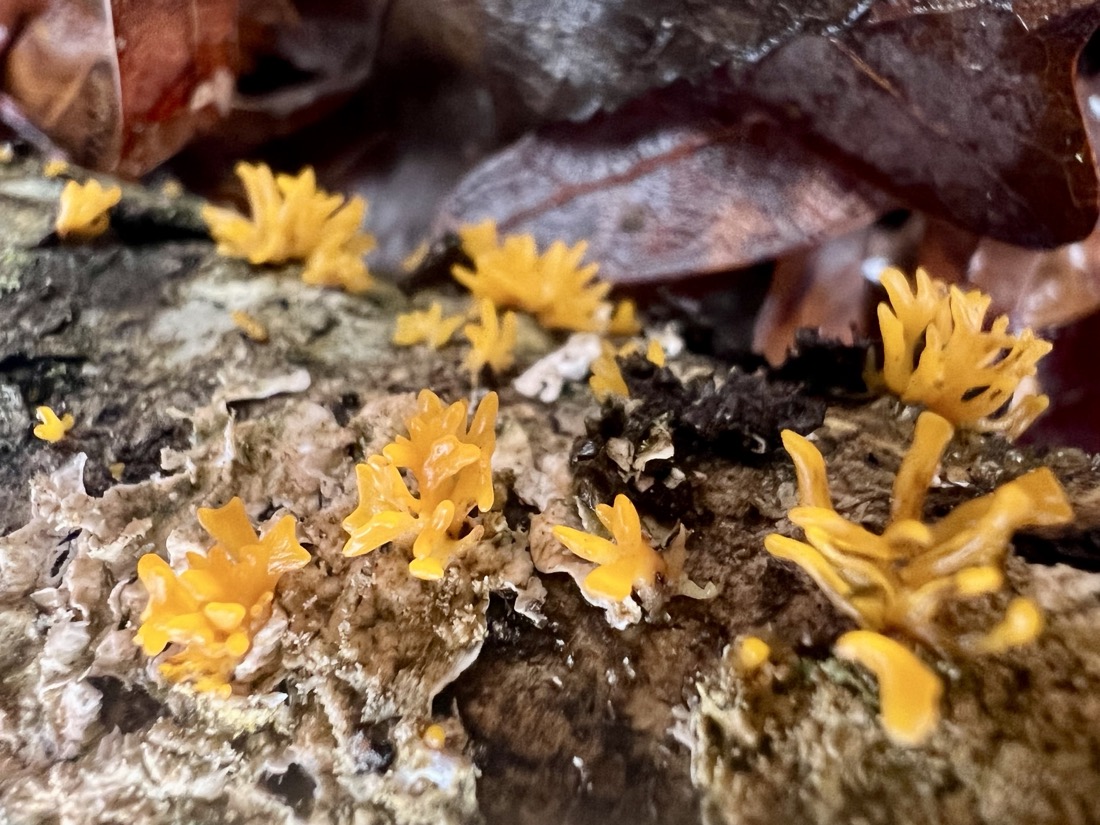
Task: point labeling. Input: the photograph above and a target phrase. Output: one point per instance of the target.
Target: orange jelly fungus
(427, 326)
(450, 467)
(752, 652)
(899, 580)
(623, 563)
(212, 610)
(492, 340)
(52, 429)
(435, 737)
(55, 168)
(607, 379)
(83, 209)
(293, 220)
(909, 690)
(937, 354)
(552, 286)
(250, 325)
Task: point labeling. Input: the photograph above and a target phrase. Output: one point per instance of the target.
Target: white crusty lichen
(91, 729)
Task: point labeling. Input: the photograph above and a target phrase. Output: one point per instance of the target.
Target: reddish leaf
(827, 288)
(176, 72)
(123, 85)
(662, 190)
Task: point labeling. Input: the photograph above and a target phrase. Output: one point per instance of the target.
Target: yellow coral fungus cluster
(899, 581)
(451, 471)
(213, 609)
(83, 210)
(293, 220)
(624, 562)
(553, 286)
(937, 354)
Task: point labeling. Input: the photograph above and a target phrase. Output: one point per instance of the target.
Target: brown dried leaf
(828, 290)
(61, 73)
(964, 110)
(176, 66)
(662, 189)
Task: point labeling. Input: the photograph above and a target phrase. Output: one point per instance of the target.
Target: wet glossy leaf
(965, 111)
(968, 113)
(571, 60)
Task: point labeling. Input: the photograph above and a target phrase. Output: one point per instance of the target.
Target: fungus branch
(293, 220)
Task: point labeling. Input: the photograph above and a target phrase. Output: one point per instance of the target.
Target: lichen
(293, 220)
(214, 607)
(937, 354)
(451, 469)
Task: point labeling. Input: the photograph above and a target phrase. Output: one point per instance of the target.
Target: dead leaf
(176, 66)
(661, 190)
(122, 85)
(568, 61)
(62, 75)
(964, 110)
(830, 289)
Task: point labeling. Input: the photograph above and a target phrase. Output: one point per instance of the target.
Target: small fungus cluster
(510, 274)
(899, 581)
(450, 467)
(212, 610)
(293, 220)
(423, 490)
(625, 562)
(553, 286)
(492, 339)
(937, 354)
(427, 326)
(83, 209)
(52, 428)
